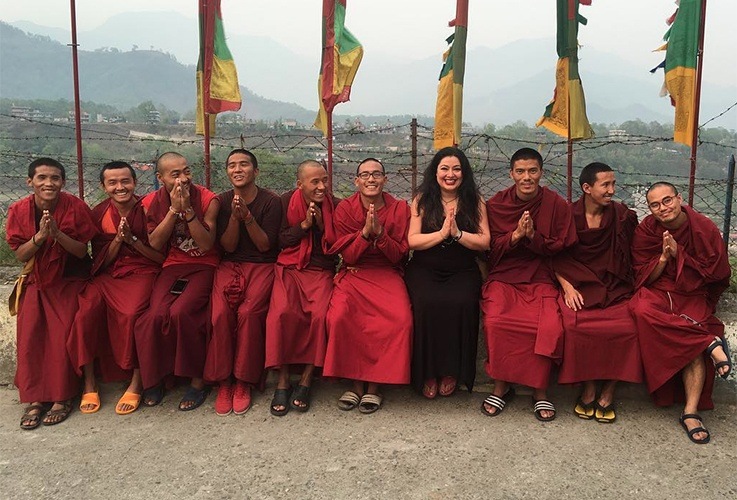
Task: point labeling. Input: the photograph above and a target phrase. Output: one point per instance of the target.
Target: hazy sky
(417, 28)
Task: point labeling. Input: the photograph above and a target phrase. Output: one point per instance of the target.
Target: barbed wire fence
(405, 150)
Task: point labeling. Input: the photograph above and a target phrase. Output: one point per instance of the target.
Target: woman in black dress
(447, 229)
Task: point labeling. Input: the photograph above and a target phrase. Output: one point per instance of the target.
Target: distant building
(154, 117)
(83, 118)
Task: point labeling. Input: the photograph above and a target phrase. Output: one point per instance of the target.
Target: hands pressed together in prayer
(314, 216)
(450, 230)
(670, 247)
(239, 210)
(525, 228)
(179, 196)
(372, 229)
(125, 235)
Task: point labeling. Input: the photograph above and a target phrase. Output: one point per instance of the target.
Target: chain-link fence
(404, 150)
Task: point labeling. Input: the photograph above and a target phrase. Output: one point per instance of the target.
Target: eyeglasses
(666, 202)
(376, 174)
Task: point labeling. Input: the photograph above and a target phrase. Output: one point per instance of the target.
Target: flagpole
(77, 109)
(697, 102)
(569, 167)
(330, 150)
(207, 149)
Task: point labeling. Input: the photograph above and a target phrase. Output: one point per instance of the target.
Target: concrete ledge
(724, 392)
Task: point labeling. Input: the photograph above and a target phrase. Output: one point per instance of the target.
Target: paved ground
(411, 448)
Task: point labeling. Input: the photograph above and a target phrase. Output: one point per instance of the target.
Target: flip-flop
(605, 414)
(194, 396)
(497, 402)
(301, 393)
(542, 405)
(128, 398)
(370, 403)
(449, 384)
(153, 395)
(585, 411)
(701, 428)
(34, 418)
(90, 399)
(63, 413)
(348, 401)
(281, 398)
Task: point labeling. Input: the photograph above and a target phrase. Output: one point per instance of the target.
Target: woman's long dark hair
(430, 204)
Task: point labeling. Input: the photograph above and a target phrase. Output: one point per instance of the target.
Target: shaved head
(307, 163)
(169, 155)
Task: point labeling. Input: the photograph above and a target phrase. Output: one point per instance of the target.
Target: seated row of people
(580, 285)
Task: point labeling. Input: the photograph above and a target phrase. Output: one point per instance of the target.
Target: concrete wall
(727, 312)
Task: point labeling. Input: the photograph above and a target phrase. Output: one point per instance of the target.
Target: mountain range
(135, 57)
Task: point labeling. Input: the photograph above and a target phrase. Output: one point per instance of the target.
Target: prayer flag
(449, 106)
(217, 79)
(566, 113)
(680, 68)
(341, 56)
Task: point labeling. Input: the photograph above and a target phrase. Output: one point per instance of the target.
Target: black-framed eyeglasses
(666, 202)
(376, 174)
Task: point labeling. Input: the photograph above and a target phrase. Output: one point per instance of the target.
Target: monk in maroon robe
(303, 282)
(369, 321)
(524, 331)
(124, 269)
(596, 280)
(681, 269)
(172, 335)
(52, 228)
(248, 230)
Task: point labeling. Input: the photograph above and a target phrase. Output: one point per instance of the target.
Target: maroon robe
(674, 314)
(369, 321)
(49, 303)
(240, 295)
(600, 339)
(524, 331)
(303, 283)
(113, 300)
(171, 336)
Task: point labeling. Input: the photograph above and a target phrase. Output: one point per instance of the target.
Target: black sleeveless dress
(444, 285)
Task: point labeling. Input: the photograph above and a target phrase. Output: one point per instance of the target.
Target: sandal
(605, 414)
(54, 417)
(153, 395)
(281, 398)
(447, 386)
(542, 405)
(32, 414)
(585, 411)
(718, 342)
(700, 428)
(128, 399)
(370, 403)
(194, 396)
(90, 399)
(301, 394)
(497, 402)
(349, 400)
(430, 389)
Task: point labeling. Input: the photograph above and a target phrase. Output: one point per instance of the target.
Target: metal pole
(728, 201)
(697, 102)
(77, 110)
(330, 151)
(413, 135)
(207, 149)
(569, 169)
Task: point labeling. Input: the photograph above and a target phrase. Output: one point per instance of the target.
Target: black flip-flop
(542, 405)
(194, 395)
(301, 393)
(281, 398)
(153, 395)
